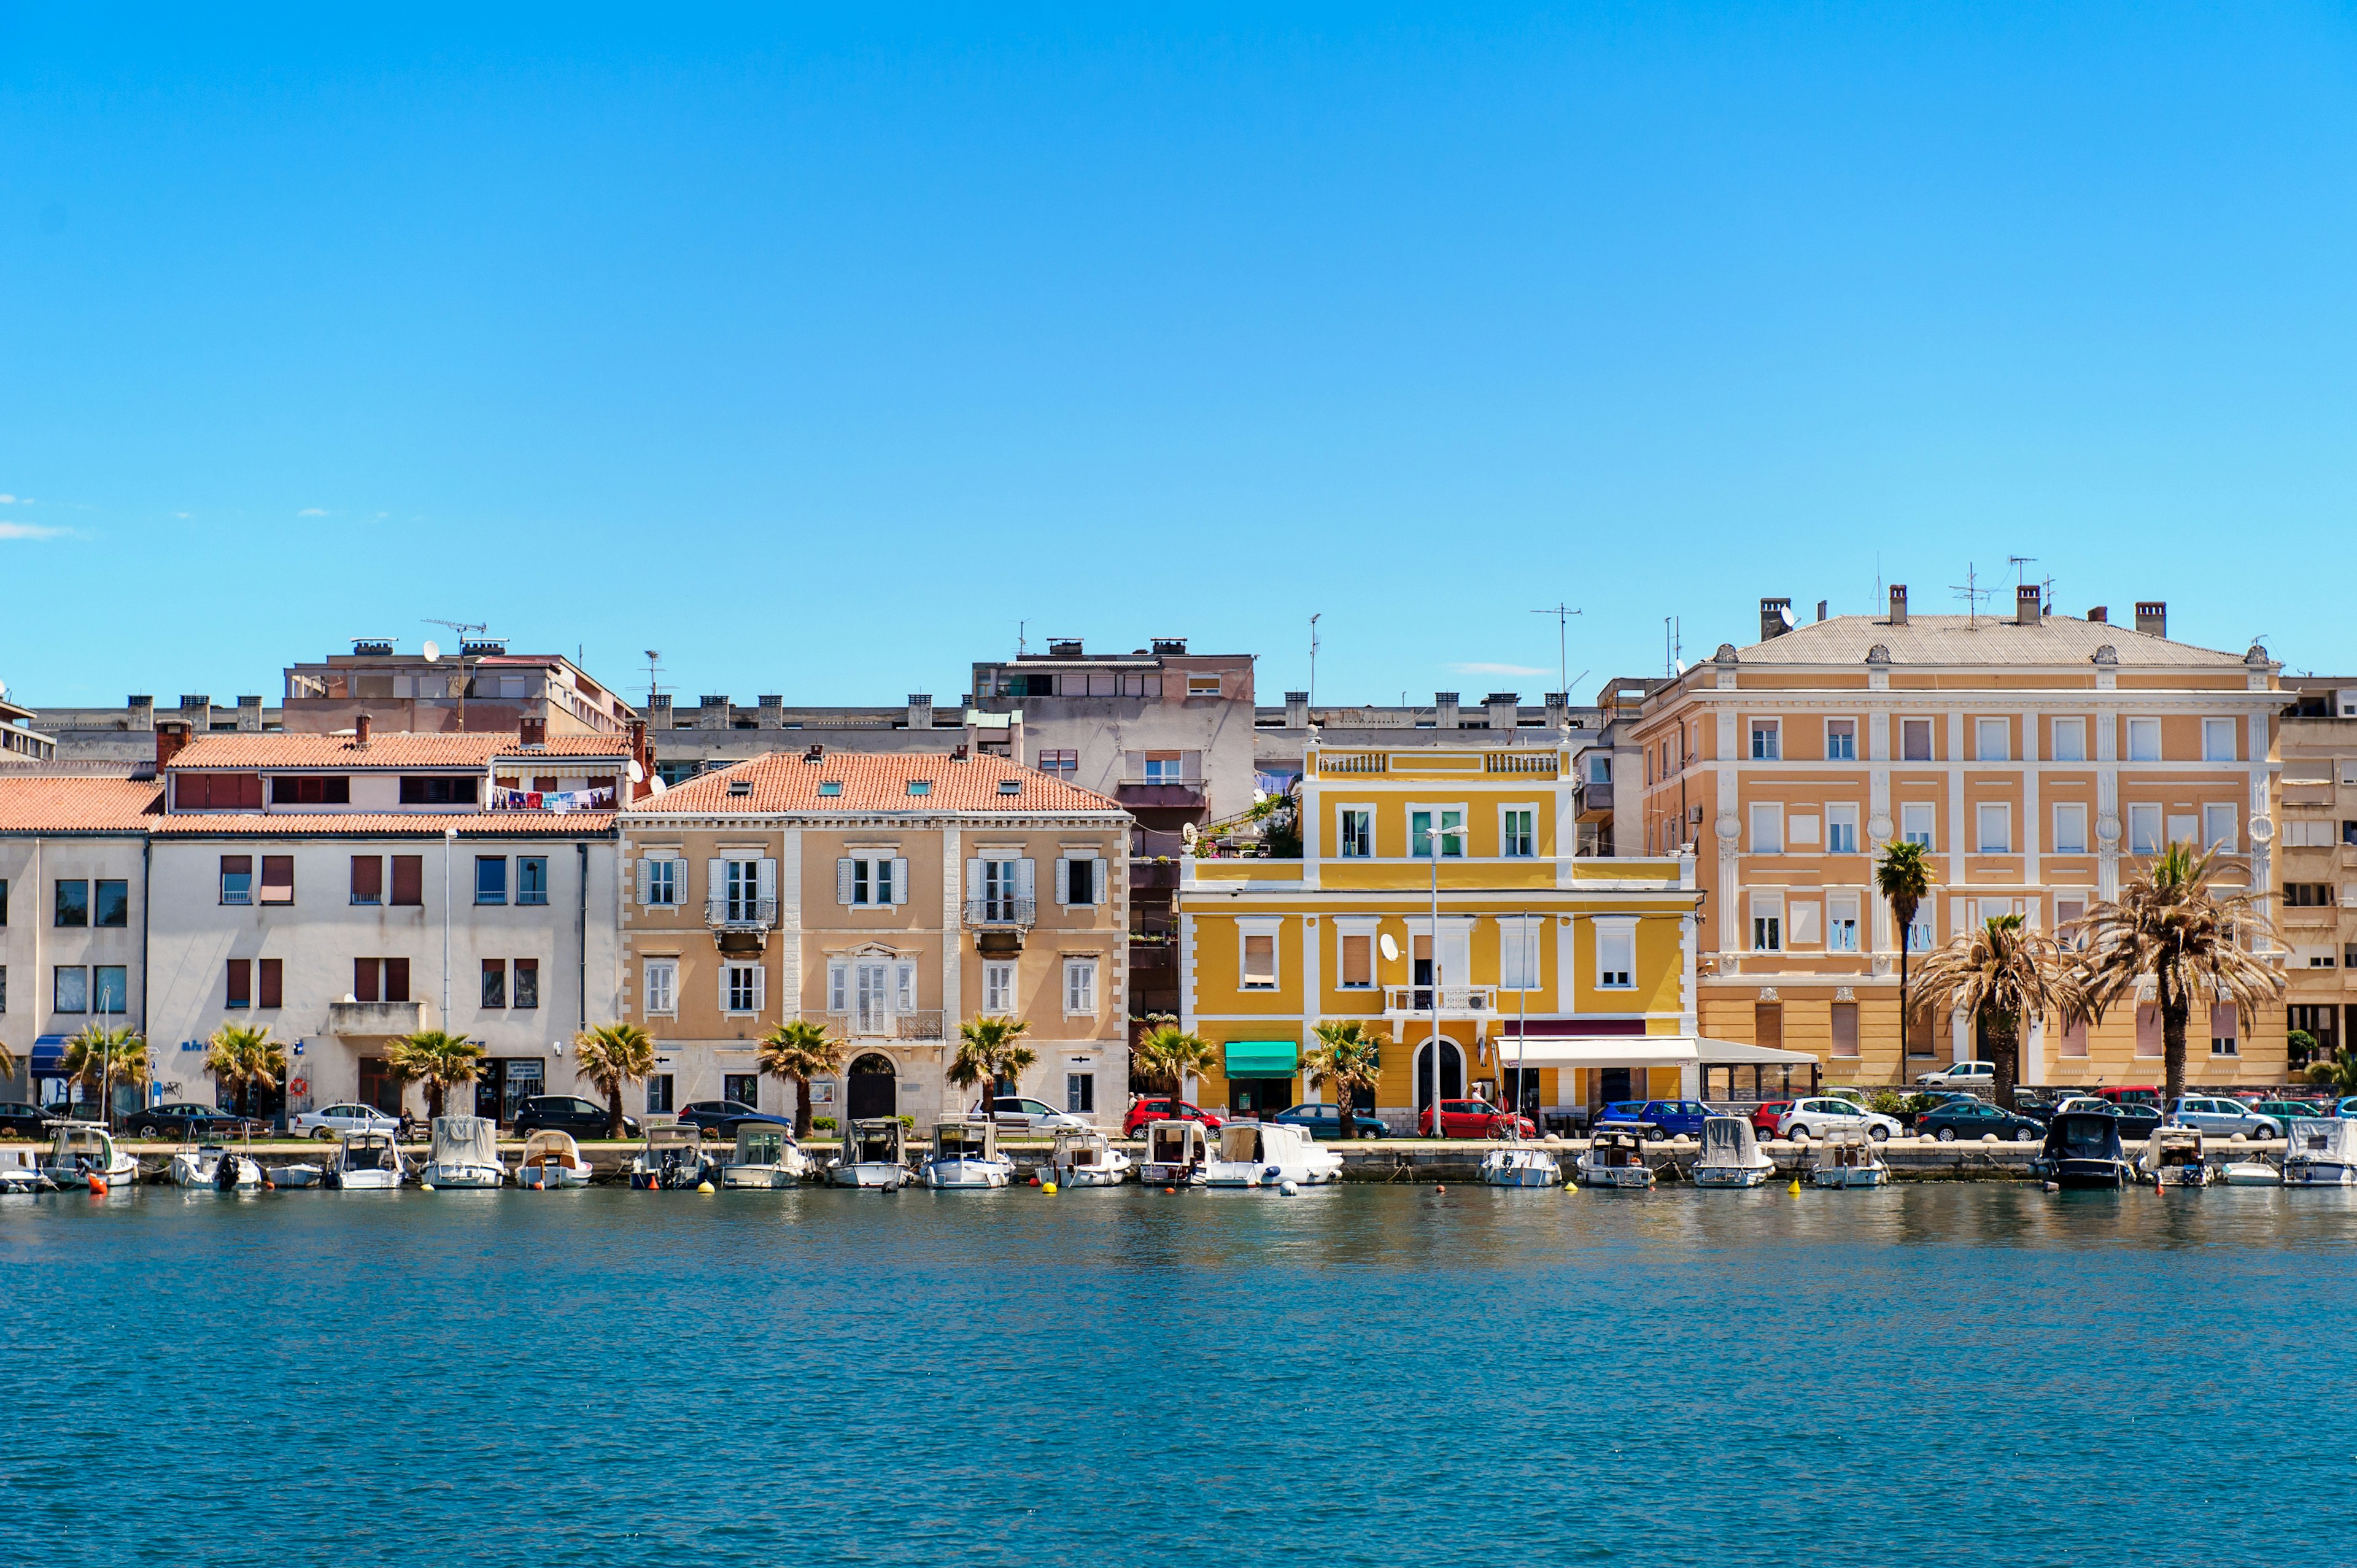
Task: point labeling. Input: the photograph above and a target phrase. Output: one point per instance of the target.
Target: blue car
(1675, 1118)
(2347, 1107)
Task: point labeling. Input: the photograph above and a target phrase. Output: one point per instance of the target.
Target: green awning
(1263, 1059)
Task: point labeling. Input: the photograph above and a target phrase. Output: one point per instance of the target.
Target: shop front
(506, 1082)
(1259, 1075)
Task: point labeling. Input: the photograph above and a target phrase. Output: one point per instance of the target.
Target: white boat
(211, 1166)
(551, 1160)
(1176, 1153)
(1614, 1157)
(1270, 1153)
(766, 1156)
(365, 1162)
(2173, 1158)
(672, 1160)
(82, 1151)
(2320, 1153)
(20, 1171)
(875, 1156)
(2246, 1172)
(1085, 1157)
(300, 1174)
(466, 1155)
(966, 1158)
(1520, 1164)
(1731, 1155)
(1847, 1157)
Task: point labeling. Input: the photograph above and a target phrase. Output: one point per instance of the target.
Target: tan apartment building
(889, 897)
(2316, 910)
(2038, 757)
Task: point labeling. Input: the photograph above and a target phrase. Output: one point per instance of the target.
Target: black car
(2137, 1118)
(567, 1113)
(721, 1118)
(189, 1122)
(18, 1120)
(1321, 1121)
(1971, 1120)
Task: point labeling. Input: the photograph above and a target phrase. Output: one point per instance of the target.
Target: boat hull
(966, 1176)
(2181, 1175)
(2249, 1173)
(113, 1175)
(542, 1178)
(869, 1177)
(464, 1179)
(758, 1178)
(297, 1175)
(194, 1171)
(365, 1181)
(25, 1178)
(1524, 1171)
(1630, 1177)
(1849, 1176)
(1171, 1175)
(2088, 1175)
(1732, 1175)
(2300, 1172)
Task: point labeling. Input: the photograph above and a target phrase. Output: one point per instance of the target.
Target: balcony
(370, 1019)
(1182, 794)
(1592, 798)
(1456, 1001)
(724, 914)
(1004, 914)
(884, 1024)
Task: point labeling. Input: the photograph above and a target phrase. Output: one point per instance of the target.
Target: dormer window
(298, 789)
(830, 787)
(920, 786)
(1010, 786)
(436, 791)
(739, 788)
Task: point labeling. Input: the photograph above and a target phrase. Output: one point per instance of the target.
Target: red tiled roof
(398, 748)
(877, 781)
(382, 825)
(78, 805)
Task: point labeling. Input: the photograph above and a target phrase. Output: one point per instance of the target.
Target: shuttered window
(368, 879)
(273, 982)
(1079, 881)
(237, 879)
(240, 987)
(278, 879)
(408, 879)
(527, 983)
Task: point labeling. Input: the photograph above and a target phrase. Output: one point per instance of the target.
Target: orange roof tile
(79, 805)
(397, 748)
(877, 781)
(382, 825)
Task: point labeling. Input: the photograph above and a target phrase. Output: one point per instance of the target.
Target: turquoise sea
(1360, 1375)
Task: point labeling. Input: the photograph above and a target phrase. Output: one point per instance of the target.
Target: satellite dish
(433, 651)
(637, 773)
(1391, 948)
(657, 788)
(1259, 796)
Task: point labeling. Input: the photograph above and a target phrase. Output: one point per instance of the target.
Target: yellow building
(1551, 981)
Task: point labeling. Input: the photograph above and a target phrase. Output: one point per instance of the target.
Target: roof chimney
(1821, 609)
(2025, 607)
(644, 758)
(814, 754)
(1505, 709)
(535, 732)
(1898, 604)
(921, 710)
(1775, 618)
(1297, 710)
(2100, 616)
(360, 729)
(2152, 617)
(170, 736)
(1444, 710)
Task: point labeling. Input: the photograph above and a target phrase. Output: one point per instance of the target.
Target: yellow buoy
(1796, 1185)
(704, 1187)
(1047, 1187)
(425, 1186)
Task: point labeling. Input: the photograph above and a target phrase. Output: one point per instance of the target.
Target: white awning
(1734, 1053)
(1596, 1050)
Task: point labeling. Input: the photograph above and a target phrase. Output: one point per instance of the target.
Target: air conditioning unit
(1693, 815)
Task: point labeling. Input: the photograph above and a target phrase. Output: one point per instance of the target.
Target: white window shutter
(716, 881)
(722, 972)
(838, 977)
(1025, 878)
(760, 987)
(904, 986)
(973, 877)
(843, 880)
(1064, 879)
(646, 880)
(900, 879)
(768, 880)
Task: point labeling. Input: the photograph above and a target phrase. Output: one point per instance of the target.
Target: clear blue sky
(820, 352)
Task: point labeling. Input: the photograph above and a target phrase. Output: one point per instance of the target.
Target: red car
(2122, 1093)
(1765, 1115)
(1474, 1119)
(1158, 1109)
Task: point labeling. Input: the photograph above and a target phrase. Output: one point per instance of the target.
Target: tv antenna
(654, 669)
(1313, 658)
(2020, 564)
(1562, 614)
(461, 626)
(1972, 593)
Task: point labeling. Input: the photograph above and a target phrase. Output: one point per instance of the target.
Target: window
(1357, 838)
(659, 1097)
(1063, 764)
(1803, 921)
(2218, 827)
(825, 786)
(490, 879)
(1841, 740)
(1358, 961)
(1841, 922)
(1766, 922)
(69, 989)
(1004, 886)
(659, 881)
(1518, 835)
(2069, 829)
(920, 786)
(368, 879)
(3, 896)
(495, 982)
(1915, 822)
(288, 790)
(2307, 895)
(278, 879)
(217, 791)
(1915, 740)
(1081, 1093)
(998, 988)
(2144, 740)
(1599, 767)
(2224, 1022)
(269, 982)
(741, 987)
(2218, 741)
(2069, 740)
(1844, 1028)
(2147, 1030)
(743, 1088)
(1919, 930)
(111, 906)
(1767, 740)
(1992, 740)
(408, 879)
(437, 791)
(1421, 838)
(861, 881)
(1518, 952)
(1616, 954)
(2144, 830)
(527, 983)
(531, 879)
(663, 985)
(1080, 986)
(1202, 686)
(237, 879)
(1767, 828)
(1164, 767)
(239, 987)
(1841, 829)
(1995, 822)
(1083, 881)
(381, 978)
(1800, 828)
(2302, 833)
(74, 903)
(110, 989)
(1259, 954)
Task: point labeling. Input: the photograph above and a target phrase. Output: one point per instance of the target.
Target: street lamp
(1432, 853)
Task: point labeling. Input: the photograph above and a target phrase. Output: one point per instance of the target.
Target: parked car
(1766, 1115)
(2221, 1117)
(721, 1118)
(1925, 1101)
(324, 1124)
(1674, 1118)
(192, 1122)
(1960, 1075)
(1322, 1122)
(1021, 1113)
(1819, 1114)
(1973, 1120)
(18, 1120)
(2283, 1111)
(2136, 1117)
(565, 1113)
(1475, 1119)
(2347, 1107)
(1156, 1108)
(2131, 1094)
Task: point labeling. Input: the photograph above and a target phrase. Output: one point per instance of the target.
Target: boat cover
(465, 1141)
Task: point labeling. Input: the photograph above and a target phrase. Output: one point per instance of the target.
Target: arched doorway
(1452, 1073)
(874, 1088)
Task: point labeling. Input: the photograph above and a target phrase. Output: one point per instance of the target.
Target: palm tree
(2169, 924)
(440, 1061)
(1168, 1054)
(799, 1049)
(2337, 1071)
(99, 1055)
(2000, 976)
(1348, 1059)
(990, 1051)
(1903, 877)
(611, 1056)
(243, 1058)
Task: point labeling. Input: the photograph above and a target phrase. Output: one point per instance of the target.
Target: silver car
(1821, 1113)
(1021, 1113)
(2222, 1118)
(327, 1123)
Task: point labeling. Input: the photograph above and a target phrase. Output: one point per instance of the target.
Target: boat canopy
(1730, 1141)
(1174, 1143)
(2084, 1135)
(876, 1141)
(965, 1139)
(1080, 1146)
(2316, 1138)
(465, 1141)
(675, 1135)
(1240, 1142)
(552, 1147)
(80, 1138)
(762, 1144)
(369, 1151)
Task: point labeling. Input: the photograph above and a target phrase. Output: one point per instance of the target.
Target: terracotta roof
(876, 781)
(382, 824)
(1984, 640)
(78, 805)
(397, 748)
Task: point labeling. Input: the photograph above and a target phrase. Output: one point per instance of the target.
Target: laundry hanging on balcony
(559, 800)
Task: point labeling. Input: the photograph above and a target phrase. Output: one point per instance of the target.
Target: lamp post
(1431, 854)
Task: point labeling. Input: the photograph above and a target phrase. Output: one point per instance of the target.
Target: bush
(1884, 1102)
(822, 1123)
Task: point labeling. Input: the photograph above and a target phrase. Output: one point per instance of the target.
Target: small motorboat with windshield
(1615, 1157)
(2320, 1153)
(1085, 1157)
(1848, 1157)
(966, 1158)
(671, 1160)
(2083, 1151)
(766, 1155)
(20, 1171)
(1270, 1153)
(83, 1152)
(465, 1156)
(365, 1160)
(1520, 1164)
(552, 1160)
(211, 1165)
(1731, 1155)
(875, 1156)
(1176, 1153)
(2173, 1156)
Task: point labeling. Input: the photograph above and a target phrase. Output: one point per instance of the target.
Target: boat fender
(1047, 1187)
(1271, 1173)
(426, 1186)
(1290, 1189)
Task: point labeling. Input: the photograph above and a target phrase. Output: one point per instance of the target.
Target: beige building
(2316, 908)
(889, 897)
(2039, 758)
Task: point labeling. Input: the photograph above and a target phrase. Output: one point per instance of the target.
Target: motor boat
(766, 1156)
(1520, 1164)
(1844, 1157)
(2245, 1172)
(966, 1158)
(1085, 1157)
(672, 1160)
(208, 1165)
(83, 1152)
(2319, 1153)
(875, 1156)
(1615, 1157)
(551, 1160)
(1176, 1153)
(300, 1174)
(1270, 1153)
(2173, 1158)
(1731, 1155)
(20, 1171)
(466, 1155)
(2083, 1151)
(365, 1160)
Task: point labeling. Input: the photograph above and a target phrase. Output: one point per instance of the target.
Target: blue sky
(819, 352)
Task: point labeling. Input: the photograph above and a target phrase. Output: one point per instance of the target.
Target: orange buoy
(97, 1185)
(1439, 1187)
(1168, 1190)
